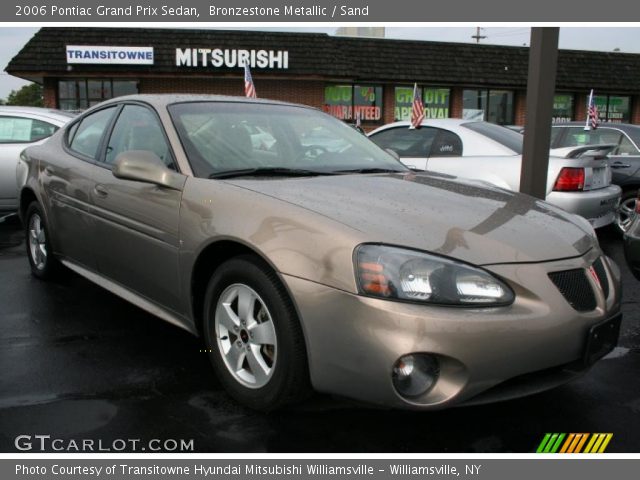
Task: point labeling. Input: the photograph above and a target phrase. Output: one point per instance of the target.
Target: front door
(137, 223)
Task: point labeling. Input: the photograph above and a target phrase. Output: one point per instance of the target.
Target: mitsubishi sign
(217, 57)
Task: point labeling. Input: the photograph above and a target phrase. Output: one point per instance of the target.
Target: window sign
(613, 108)
(436, 102)
(367, 101)
(562, 108)
(345, 101)
(404, 100)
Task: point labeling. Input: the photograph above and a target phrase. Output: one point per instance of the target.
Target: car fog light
(414, 375)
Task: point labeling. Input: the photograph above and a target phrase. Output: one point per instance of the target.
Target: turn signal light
(570, 179)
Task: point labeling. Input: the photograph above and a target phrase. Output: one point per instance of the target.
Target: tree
(28, 96)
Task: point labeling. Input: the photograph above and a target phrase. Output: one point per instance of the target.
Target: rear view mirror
(145, 166)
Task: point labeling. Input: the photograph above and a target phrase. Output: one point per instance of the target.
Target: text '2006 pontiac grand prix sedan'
(316, 260)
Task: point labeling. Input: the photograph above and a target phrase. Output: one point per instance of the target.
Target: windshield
(504, 136)
(224, 137)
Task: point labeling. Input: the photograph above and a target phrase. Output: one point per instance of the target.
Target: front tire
(254, 337)
(43, 264)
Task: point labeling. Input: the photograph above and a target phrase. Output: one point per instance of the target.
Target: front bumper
(354, 341)
(597, 206)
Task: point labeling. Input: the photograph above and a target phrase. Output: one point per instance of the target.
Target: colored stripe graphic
(574, 443)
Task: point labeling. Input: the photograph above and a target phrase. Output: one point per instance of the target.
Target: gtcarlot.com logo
(45, 443)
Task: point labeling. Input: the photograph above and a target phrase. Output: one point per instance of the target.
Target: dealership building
(344, 76)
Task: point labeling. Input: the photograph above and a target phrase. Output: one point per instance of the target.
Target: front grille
(598, 266)
(575, 288)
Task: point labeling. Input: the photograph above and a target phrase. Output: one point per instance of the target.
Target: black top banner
(299, 11)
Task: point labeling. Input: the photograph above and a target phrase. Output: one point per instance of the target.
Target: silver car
(578, 181)
(303, 267)
(19, 128)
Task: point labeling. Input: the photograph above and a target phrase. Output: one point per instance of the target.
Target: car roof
(621, 126)
(432, 122)
(164, 99)
(40, 112)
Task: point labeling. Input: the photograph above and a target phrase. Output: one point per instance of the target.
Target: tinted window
(24, 130)
(407, 142)
(508, 138)
(219, 137)
(138, 128)
(446, 144)
(578, 136)
(88, 134)
(626, 147)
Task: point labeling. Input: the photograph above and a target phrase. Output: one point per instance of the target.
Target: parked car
(19, 128)
(577, 181)
(302, 267)
(624, 159)
(632, 242)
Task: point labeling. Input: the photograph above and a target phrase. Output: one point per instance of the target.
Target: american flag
(417, 108)
(249, 88)
(592, 114)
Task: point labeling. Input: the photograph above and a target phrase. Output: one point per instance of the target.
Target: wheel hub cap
(37, 242)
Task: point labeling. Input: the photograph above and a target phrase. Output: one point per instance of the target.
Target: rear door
(137, 223)
(67, 180)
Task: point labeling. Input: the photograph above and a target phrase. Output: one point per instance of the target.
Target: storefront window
(436, 102)
(81, 93)
(619, 109)
(613, 108)
(495, 106)
(474, 104)
(562, 108)
(345, 101)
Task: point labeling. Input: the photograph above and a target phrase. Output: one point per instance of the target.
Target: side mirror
(393, 153)
(144, 166)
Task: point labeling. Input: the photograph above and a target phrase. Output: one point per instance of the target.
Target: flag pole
(586, 123)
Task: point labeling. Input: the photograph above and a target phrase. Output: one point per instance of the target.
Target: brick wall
(49, 92)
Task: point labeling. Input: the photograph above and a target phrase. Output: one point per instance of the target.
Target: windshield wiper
(371, 170)
(268, 172)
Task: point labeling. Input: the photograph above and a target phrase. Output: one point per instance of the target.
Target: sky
(627, 39)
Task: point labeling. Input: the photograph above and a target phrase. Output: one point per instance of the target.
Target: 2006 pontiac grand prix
(309, 258)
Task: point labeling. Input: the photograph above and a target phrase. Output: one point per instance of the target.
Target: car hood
(462, 219)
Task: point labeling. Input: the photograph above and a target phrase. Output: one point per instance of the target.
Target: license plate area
(602, 338)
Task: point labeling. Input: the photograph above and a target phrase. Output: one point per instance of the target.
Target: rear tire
(626, 210)
(41, 260)
(254, 337)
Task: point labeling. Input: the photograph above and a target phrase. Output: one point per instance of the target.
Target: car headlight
(408, 275)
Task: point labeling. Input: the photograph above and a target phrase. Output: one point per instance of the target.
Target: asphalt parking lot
(79, 363)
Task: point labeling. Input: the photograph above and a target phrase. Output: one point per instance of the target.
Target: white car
(578, 180)
(21, 127)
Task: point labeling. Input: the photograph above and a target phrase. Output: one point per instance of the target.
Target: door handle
(100, 191)
(620, 165)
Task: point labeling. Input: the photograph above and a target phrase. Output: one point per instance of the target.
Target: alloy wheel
(626, 213)
(37, 242)
(246, 335)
